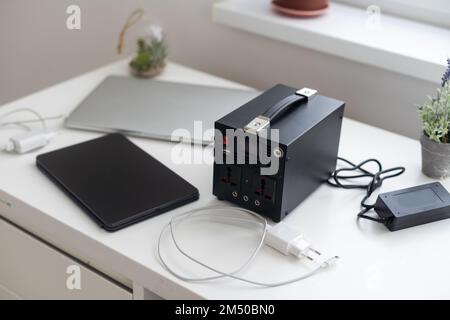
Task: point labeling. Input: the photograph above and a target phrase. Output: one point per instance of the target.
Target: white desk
(375, 263)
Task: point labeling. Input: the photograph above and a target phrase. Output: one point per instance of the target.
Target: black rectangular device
(413, 206)
(116, 182)
(308, 129)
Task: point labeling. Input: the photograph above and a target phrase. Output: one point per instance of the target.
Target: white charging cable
(30, 140)
(280, 237)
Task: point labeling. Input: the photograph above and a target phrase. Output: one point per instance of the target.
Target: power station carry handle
(277, 110)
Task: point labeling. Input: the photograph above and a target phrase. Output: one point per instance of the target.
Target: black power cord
(339, 177)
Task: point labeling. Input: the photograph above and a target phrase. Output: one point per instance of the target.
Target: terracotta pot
(302, 5)
(435, 158)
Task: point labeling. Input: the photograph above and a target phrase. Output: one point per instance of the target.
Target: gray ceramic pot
(435, 158)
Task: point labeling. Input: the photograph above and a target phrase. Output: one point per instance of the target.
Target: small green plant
(150, 55)
(435, 112)
(435, 115)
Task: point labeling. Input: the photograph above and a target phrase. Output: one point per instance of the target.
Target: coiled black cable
(337, 179)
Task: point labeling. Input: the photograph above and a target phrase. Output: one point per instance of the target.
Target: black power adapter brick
(413, 206)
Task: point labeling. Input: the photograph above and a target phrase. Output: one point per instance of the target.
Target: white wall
(37, 51)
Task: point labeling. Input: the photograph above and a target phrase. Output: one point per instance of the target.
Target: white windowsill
(407, 47)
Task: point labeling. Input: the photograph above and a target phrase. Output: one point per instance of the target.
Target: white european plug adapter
(289, 241)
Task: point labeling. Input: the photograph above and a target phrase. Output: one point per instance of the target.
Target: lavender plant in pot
(435, 140)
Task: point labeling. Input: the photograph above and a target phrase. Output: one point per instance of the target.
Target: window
(431, 11)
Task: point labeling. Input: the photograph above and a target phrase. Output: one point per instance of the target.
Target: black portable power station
(308, 129)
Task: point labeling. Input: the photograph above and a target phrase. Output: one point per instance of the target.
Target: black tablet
(116, 182)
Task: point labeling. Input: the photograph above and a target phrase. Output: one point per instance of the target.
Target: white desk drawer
(30, 269)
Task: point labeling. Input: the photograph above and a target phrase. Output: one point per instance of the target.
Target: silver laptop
(156, 109)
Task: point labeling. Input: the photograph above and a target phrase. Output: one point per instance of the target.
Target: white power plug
(28, 141)
(289, 241)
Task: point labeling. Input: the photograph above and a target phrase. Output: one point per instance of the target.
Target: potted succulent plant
(435, 140)
(150, 58)
(151, 55)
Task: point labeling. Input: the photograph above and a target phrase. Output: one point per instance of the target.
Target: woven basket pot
(435, 158)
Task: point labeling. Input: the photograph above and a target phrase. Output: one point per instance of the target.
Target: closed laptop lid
(156, 109)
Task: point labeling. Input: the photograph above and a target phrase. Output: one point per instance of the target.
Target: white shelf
(407, 47)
